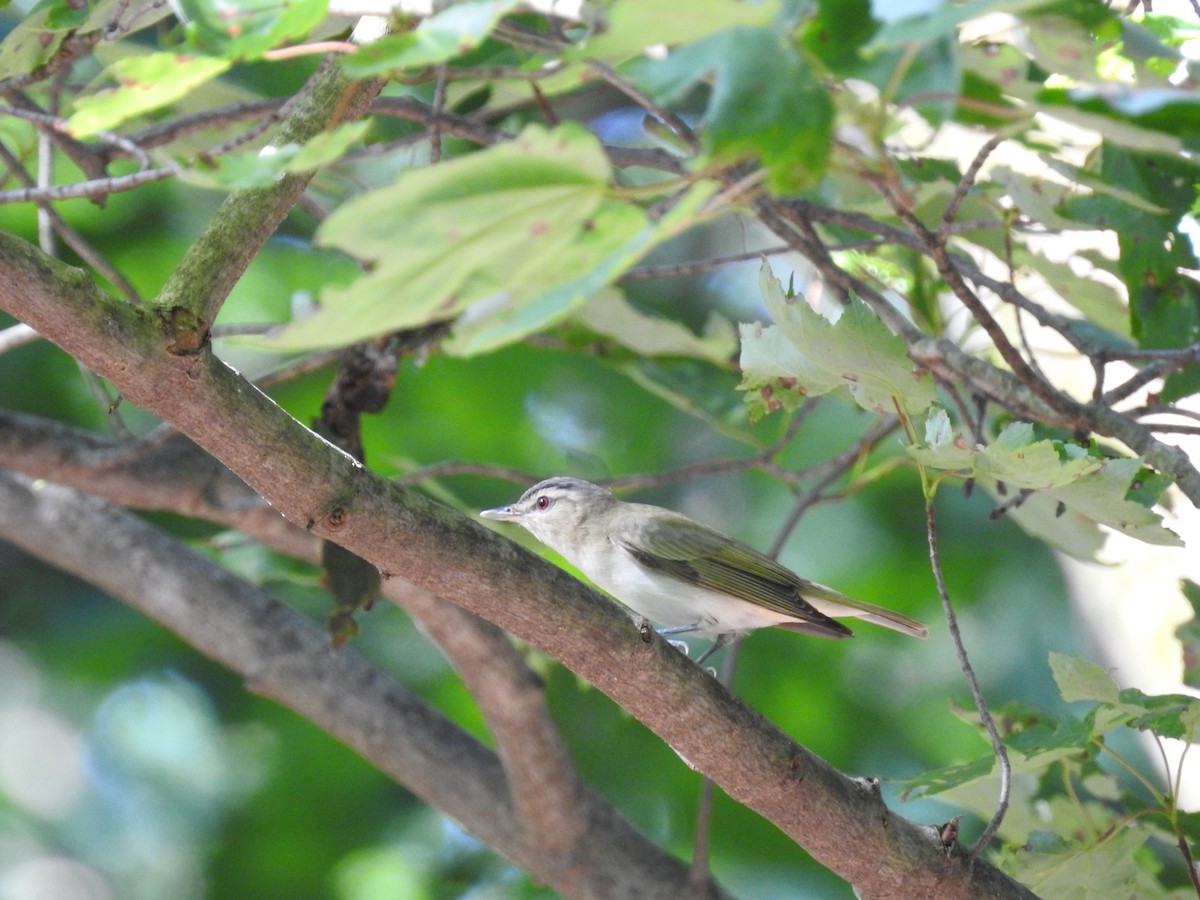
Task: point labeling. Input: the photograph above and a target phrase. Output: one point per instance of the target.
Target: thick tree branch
(286, 658)
(845, 827)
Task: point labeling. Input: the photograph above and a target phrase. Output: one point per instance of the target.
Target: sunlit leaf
(633, 25)
(1068, 493)
(1078, 679)
(857, 352)
(611, 315)
(146, 83)
(444, 35)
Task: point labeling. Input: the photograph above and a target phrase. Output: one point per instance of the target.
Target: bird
(683, 575)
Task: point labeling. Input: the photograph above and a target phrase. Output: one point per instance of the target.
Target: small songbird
(685, 576)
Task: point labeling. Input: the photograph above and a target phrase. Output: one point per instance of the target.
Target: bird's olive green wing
(699, 555)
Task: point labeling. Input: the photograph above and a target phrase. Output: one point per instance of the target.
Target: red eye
(542, 502)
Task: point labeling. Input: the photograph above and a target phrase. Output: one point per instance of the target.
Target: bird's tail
(833, 603)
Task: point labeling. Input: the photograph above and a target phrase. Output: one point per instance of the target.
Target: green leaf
(1071, 493)
(857, 352)
(611, 315)
(146, 83)
(326, 147)
(248, 28)
(516, 237)
(259, 168)
(452, 32)
(37, 35)
(838, 32)
(774, 373)
(633, 25)
(1169, 715)
(1078, 679)
(765, 102)
(612, 241)
(1107, 869)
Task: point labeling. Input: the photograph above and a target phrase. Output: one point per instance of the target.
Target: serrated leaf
(146, 83)
(515, 237)
(857, 352)
(611, 315)
(1078, 679)
(452, 32)
(1107, 869)
(1069, 498)
(774, 374)
(1168, 715)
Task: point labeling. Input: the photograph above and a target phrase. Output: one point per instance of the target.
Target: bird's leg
(679, 629)
(681, 646)
(721, 641)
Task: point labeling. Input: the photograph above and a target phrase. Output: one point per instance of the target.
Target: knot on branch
(185, 332)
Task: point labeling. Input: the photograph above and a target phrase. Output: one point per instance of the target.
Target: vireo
(683, 575)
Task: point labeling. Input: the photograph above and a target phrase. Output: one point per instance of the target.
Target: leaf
(857, 352)
(774, 373)
(244, 29)
(765, 102)
(615, 239)
(452, 32)
(1107, 869)
(1071, 492)
(611, 315)
(146, 83)
(633, 25)
(34, 37)
(515, 236)
(259, 168)
(1169, 715)
(1078, 679)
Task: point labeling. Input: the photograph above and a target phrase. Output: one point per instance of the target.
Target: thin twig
(964, 663)
(964, 186)
(96, 187)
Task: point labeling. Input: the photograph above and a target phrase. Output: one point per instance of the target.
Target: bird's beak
(503, 513)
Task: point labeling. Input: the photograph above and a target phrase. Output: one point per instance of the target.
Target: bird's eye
(543, 502)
